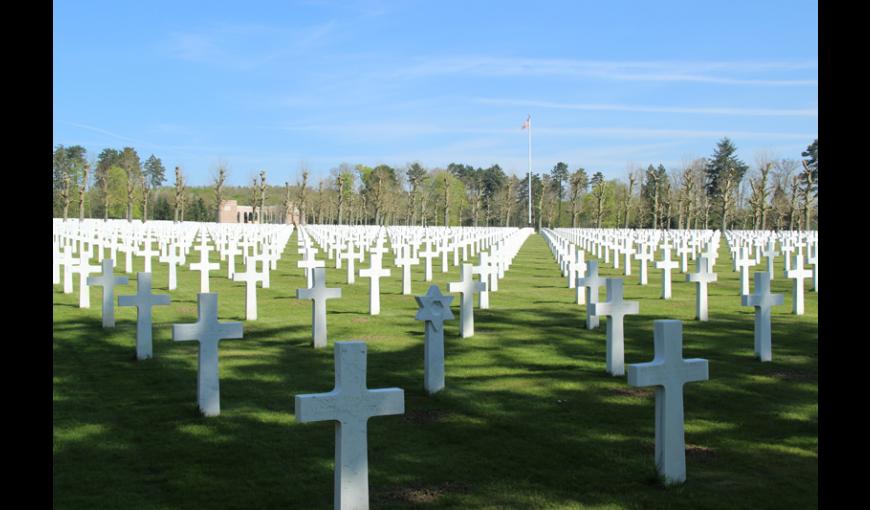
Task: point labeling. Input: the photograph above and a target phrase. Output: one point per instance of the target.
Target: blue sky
(279, 85)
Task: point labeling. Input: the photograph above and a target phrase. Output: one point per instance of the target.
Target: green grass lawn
(528, 418)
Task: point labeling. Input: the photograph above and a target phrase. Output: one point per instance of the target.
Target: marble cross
(318, 294)
(264, 259)
(309, 263)
(627, 261)
(203, 266)
(797, 275)
(702, 277)
(744, 262)
(352, 256)
(668, 372)
(208, 332)
(107, 281)
(374, 273)
(580, 270)
(148, 253)
(615, 308)
(666, 265)
(684, 251)
(434, 309)
(173, 258)
(68, 261)
(763, 301)
(350, 404)
(644, 256)
(428, 254)
(406, 261)
(143, 300)
(128, 248)
(251, 276)
(486, 275)
(466, 287)
(230, 254)
(84, 268)
(787, 249)
(590, 283)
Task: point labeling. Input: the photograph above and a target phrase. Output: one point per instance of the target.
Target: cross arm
(387, 401)
(316, 407)
(695, 369)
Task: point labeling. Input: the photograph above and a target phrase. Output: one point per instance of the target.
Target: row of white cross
(351, 402)
(668, 371)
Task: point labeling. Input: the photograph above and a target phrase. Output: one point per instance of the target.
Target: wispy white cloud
(729, 73)
(242, 46)
(760, 112)
(139, 143)
(101, 131)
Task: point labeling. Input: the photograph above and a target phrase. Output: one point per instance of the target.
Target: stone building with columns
(232, 212)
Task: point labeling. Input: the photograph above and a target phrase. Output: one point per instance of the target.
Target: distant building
(232, 212)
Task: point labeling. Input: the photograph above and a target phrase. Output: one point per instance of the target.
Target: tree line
(720, 191)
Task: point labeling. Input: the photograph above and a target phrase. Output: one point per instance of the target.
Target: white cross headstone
(143, 300)
(466, 287)
(580, 270)
(147, 253)
(84, 268)
(203, 266)
(173, 258)
(351, 405)
(208, 332)
(318, 294)
(763, 301)
(351, 255)
(702, 277)
(251, 276)
(374, 273)
(107, 281)
(744, 263)
(684, 251)
(615, 308)
(434, 310)
(309, 263)
(666, 265)
(643, 256)
(68, 261)
(590, 283)
(797, 274)
(406, 261)
(668, 372)
(486, 276)
(428, 254)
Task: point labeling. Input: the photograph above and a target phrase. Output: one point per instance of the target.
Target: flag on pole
(526, 123)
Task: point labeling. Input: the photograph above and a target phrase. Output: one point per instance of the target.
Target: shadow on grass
(528, 418)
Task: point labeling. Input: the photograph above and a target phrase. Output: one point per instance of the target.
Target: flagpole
(530, 170)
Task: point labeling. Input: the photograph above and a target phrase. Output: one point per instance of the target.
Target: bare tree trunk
(446, 200)
(82, 189)
(64, 194)
(146, 191)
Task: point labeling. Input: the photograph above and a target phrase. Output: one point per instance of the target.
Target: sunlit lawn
(529, 418)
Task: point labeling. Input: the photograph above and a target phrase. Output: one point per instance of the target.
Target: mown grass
(528, 419)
